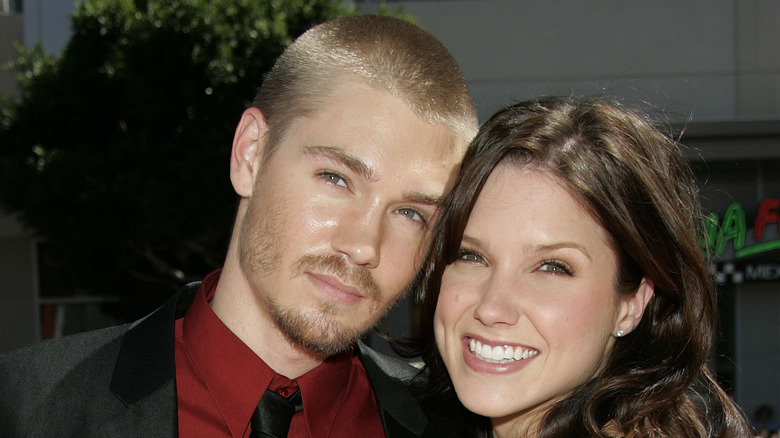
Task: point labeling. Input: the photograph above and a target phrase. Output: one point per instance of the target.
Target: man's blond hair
(387, 53)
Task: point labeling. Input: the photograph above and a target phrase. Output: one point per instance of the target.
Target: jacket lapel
(400, 413)
(144, 377)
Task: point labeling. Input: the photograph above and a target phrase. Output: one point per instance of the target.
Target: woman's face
(527, 311)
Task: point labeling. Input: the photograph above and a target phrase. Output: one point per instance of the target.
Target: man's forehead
(351, 84)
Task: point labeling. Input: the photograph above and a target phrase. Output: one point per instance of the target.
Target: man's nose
(359, 236)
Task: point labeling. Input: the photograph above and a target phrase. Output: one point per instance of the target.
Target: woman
(566, 287)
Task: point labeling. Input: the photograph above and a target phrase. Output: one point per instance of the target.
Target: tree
(117, 152)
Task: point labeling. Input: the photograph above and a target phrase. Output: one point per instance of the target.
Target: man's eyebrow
(337, 154)
(422, 198)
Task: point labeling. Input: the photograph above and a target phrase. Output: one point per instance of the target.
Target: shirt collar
(239, 378)
(324, 390)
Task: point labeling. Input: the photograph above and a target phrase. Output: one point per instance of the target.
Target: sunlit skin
(535, 272)
(334, 226)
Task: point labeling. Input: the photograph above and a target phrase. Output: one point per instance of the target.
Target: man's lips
(335, 288)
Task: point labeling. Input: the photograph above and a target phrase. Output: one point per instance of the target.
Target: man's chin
(329, 348)
(320, 334)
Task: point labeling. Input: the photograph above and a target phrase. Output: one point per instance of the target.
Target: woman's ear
(248, 147)
(632, 307)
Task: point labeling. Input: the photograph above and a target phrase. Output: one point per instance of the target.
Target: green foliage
(117, 152)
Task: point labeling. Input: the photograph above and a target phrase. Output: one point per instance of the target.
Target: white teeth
(509, 353)
(499, 353)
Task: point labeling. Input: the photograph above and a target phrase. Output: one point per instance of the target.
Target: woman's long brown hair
(634, 180)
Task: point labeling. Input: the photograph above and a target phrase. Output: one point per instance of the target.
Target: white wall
(47, 22)
(707, 59)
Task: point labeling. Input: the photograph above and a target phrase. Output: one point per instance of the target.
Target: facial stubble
(317, 329)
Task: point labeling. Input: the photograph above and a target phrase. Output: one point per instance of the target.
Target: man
(339, 164)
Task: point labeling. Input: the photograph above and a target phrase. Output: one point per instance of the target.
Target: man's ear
(248, 148)
(632, 306)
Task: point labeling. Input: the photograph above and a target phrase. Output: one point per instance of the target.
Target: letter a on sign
(733, 227)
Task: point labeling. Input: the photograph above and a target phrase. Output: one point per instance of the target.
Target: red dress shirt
(219, 381)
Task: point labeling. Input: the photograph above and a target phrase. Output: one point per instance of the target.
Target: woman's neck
(525, 423)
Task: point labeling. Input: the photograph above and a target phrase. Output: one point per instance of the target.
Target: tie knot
(283, 386)
(274, 413)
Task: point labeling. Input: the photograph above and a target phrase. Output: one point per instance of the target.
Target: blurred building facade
(17, 248)
(711, 67)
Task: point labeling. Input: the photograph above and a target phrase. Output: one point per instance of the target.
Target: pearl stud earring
(619, 333)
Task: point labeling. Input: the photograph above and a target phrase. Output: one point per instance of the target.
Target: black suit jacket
(120, 382)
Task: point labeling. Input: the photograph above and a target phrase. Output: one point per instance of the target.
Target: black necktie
(273, 415)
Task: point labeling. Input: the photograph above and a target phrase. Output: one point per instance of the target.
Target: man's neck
(244, 313)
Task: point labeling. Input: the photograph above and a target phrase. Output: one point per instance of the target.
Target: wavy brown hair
(634, 180)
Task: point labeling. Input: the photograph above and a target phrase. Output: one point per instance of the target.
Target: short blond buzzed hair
(387, 53)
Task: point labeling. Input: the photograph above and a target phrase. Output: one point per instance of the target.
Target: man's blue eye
(412, 214)
(334, 178)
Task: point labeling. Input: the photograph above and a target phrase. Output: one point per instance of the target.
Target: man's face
(336, 225)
